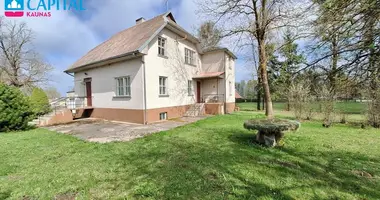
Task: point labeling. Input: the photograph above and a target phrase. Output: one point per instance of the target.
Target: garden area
(215, 158)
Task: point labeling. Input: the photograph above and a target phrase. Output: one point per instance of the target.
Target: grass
(210, 159)
(341, 107)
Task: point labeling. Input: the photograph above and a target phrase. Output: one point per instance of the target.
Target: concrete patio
(101, 131)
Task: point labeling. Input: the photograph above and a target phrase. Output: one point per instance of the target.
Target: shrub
(327, 101)
(39, 102)
(15, 109)
(300, 99)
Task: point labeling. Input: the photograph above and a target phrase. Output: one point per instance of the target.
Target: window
(231, 89)
(164, 116)
(123, 86)
(161, 46)
(189, 57)
(190, 87)
(163, 85)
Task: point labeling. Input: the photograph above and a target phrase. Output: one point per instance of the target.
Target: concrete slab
(102, 131)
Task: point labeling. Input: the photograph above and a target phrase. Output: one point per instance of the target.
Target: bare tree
(209, 35)
(52, 93)
(256, 18)
(20, 64)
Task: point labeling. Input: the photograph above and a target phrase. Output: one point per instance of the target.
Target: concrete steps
(44, 120)
(195, 110)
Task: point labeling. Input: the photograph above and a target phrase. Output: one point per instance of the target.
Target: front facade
(162, 79)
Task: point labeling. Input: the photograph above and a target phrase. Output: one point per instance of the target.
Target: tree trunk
(264, 77)
(259, 94)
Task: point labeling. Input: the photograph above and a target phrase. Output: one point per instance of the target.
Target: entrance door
(198, 92)
(89, 93)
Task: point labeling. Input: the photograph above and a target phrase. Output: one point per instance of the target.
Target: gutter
(144, 93)
(69, 74)
(104, 60)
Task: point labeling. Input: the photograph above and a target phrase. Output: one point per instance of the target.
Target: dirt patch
(66, 196)
(362, 173)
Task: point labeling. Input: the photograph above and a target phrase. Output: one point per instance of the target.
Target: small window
(161, 46)
(163, 85)
(190, 87)
(123, 86)
(231, 89)
(164, 116)
(189, 57)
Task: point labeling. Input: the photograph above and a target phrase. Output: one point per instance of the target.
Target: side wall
(177, 72)
(104, 101)
(230, 83)
(213, 62)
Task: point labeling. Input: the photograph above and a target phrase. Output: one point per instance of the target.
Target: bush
(300, 100)
(39, 102)
(15, 109)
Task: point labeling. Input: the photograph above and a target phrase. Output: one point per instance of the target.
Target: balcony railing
(76, 102)
(213, 98)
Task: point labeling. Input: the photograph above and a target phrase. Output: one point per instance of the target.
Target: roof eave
(100, 63)
(222, 49)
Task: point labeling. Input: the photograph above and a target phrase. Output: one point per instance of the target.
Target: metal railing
(73, 103)
(213, 98)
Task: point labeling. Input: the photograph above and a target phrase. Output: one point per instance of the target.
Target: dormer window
(161, 46)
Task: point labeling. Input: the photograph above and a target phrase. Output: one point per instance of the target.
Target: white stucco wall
(174, 68)
(104, 85)
(213, 61)
(230, 77)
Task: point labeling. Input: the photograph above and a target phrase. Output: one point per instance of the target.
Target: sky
(66, 36)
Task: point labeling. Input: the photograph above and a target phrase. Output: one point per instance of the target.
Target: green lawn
(211, 159)
(344, 107)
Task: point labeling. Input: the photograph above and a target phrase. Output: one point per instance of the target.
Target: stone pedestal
(271, 132)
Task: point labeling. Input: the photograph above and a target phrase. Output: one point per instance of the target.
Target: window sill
(121, 97)
(193, 65)
(162, 56)
(163, 95)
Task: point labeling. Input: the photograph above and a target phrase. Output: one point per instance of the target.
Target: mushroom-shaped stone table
(271, 131)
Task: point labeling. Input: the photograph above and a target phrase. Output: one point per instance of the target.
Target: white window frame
(161, 46)
(123, 90)
(163, 116)
(190, 87)
(163, 86)
(189, 56)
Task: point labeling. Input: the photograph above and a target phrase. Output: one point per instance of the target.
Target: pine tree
(15, 109)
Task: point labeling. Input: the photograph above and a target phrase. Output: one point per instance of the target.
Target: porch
(210, 87)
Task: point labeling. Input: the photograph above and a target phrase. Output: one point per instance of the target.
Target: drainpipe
(225, 84)
(144, 78)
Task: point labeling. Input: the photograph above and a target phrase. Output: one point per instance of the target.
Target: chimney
(140, 20)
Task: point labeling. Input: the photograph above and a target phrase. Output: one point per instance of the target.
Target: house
(153, 71)
(238, 96)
